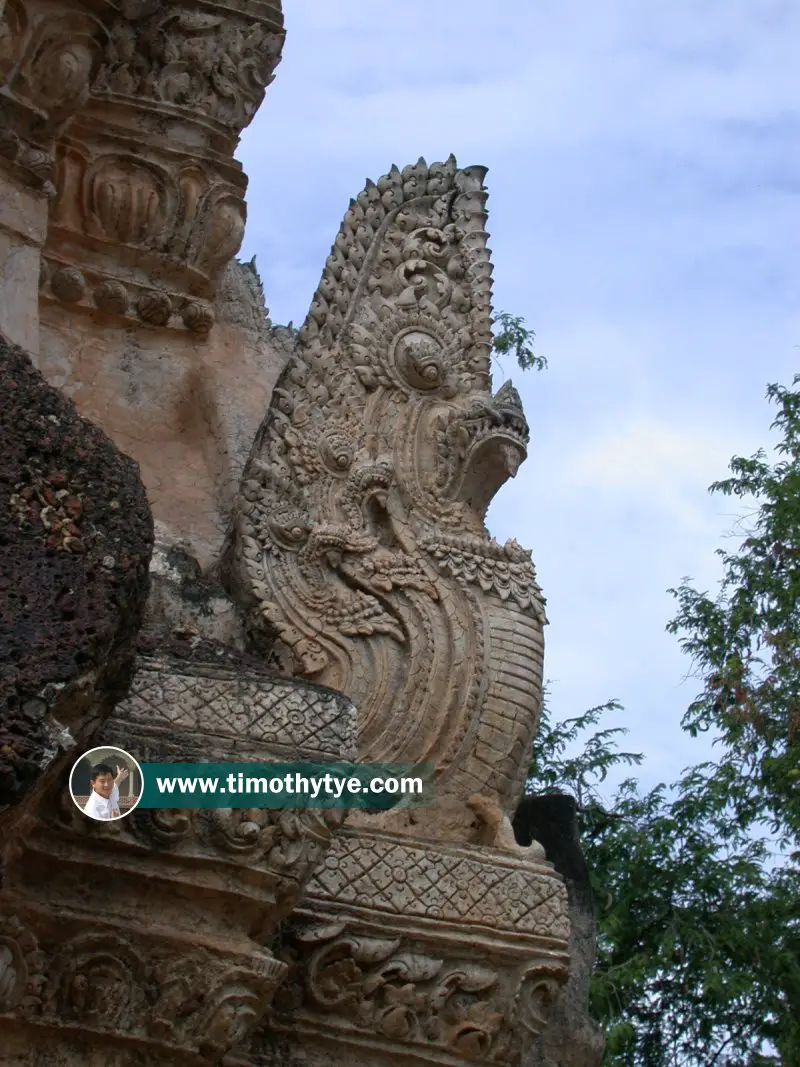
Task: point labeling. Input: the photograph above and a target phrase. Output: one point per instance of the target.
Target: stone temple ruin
(292, 565)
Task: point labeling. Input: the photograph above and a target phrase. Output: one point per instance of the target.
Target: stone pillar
(48, 55)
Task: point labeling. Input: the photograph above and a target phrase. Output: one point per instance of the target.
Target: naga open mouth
(481, 447)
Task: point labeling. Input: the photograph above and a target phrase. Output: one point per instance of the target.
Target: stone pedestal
(415, 951)
(144, 940)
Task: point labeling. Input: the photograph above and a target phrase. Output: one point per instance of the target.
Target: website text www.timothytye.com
(284, 785)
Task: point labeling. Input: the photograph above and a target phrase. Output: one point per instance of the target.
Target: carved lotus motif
(198, 317)
(112, 297)
(57, 66)
(128, 202)
(61, 73)
(154, 307)
(216, 67)
(224, 234)
(68, 284)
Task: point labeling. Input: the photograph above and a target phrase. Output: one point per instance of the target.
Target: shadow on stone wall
(571, 1039)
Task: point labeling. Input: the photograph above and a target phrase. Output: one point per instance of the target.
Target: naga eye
(419, 358)
(336, 452)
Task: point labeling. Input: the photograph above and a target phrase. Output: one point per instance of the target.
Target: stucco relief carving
(137, 990)
(387, 991)
(214, 63)
(439, 953)
(452, 883)
(204, 711)
(150, 932)
(21, 966)
(47, 63)
(361, 541)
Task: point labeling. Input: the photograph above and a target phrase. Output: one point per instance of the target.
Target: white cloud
(661, 464)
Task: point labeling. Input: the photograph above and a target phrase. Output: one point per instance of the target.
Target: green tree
(745, 642)
(698, 955)
(512, 335)
(698, 961)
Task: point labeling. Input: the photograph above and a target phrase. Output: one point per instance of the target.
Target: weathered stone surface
(201, 701)
(346, 547)
(151, 932)
(571, 1039)
(75, 541)
(23, 223)
(427, 935)
(361, 544)
(187, 410)
(187, 602)
(47, 62)
(425, 952)
(128, 114)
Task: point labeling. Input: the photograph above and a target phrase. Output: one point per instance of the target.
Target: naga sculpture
(361, 537)
(426, 936)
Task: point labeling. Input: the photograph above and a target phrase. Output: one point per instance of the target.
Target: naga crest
(361, 540)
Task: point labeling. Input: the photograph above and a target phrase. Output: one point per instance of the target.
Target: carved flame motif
(361, 530)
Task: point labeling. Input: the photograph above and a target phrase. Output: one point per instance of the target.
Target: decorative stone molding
(153, 928)
(184, 711)
(361, 545)
(126, 990)
(459, 884)
(128, 113)
(436, 954)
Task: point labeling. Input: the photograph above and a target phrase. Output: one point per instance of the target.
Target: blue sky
(644, 188)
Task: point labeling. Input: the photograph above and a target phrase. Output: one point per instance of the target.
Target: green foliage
(746, 642)
(698, 956)
(698, 961)
(513, 336)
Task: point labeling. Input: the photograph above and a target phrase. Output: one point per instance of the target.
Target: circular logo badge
(106, 783)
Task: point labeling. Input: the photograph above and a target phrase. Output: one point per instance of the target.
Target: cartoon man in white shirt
(104, 801)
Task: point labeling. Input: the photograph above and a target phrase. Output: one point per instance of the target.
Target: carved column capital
(150, 206)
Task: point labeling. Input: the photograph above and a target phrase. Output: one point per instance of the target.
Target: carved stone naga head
(361, 542)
